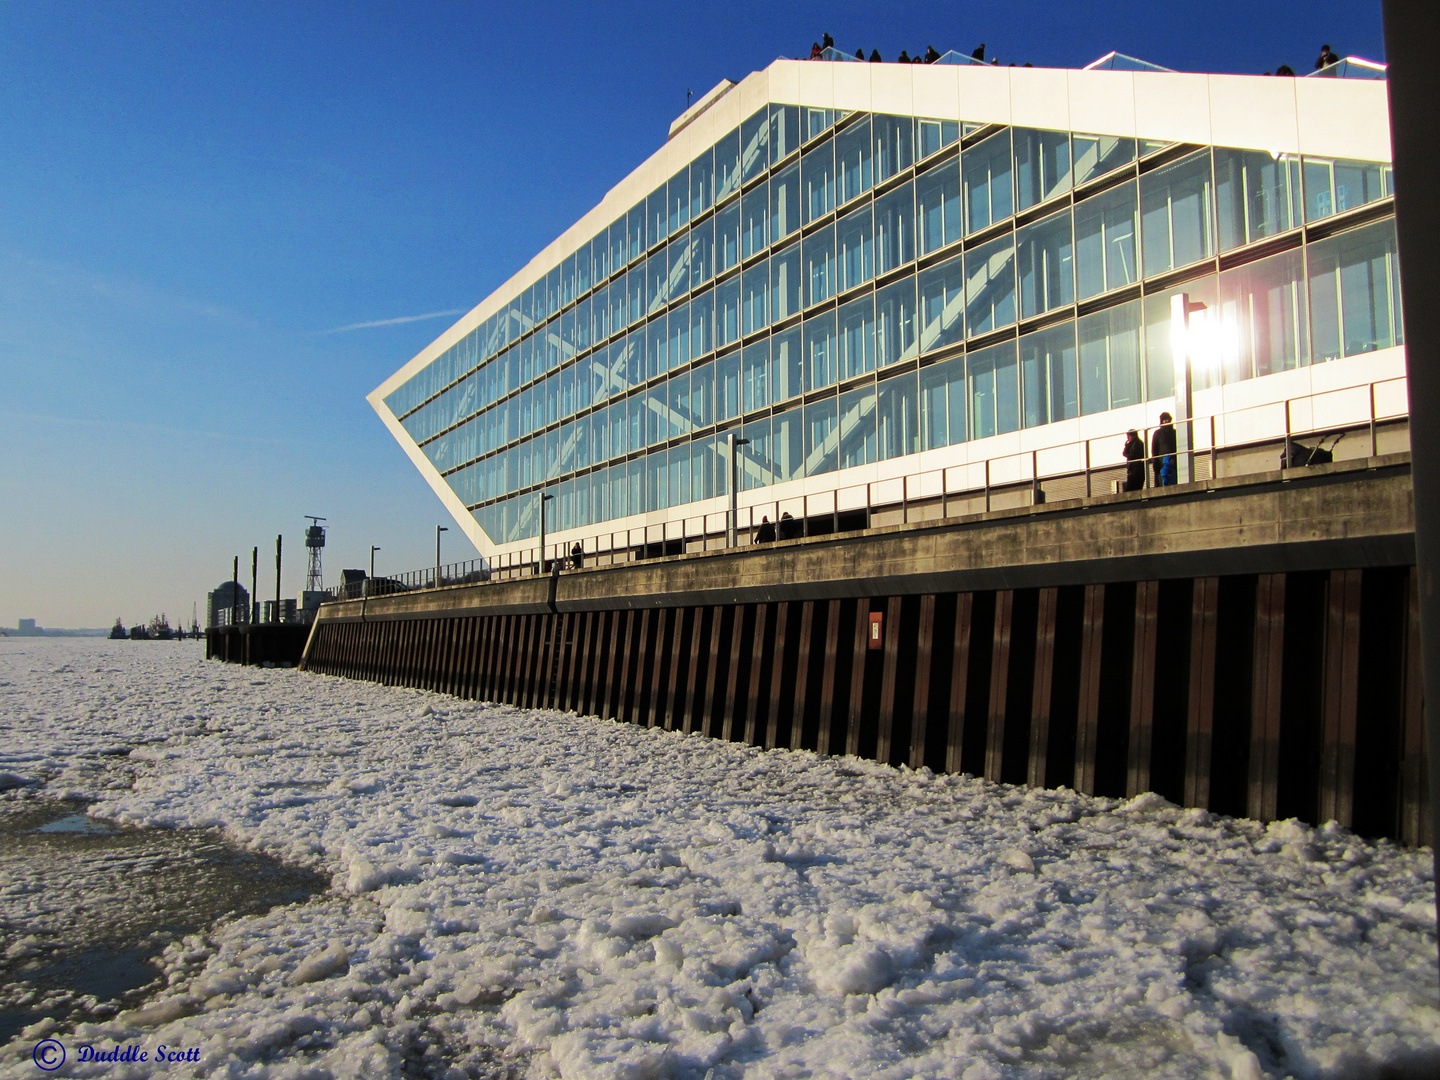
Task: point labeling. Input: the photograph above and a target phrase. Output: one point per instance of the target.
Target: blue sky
(195, 197)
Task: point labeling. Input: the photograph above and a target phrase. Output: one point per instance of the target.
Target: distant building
(225, 604)
(28, 629)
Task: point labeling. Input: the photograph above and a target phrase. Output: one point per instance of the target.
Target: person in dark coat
(1326, 58)
(789, 527)
(1134, 461)
(1162, 451)
(859, 54)
(979, 53)
(874, 56)
(904, 57)
(577, 556)
(765, 533)
(931, 54)
(827, 42)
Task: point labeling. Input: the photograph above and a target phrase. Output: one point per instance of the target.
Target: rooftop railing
(1238, 442)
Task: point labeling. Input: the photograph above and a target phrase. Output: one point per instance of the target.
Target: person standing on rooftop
(979, 53)
(814, 50)
(859, 54)
(1326, 58)
(827, 42)
(904, 57)
(931, 55)
(874, 56)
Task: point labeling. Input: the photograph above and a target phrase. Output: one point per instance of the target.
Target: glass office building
(870, 271)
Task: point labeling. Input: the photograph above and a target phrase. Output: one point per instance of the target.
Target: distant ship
(117, 632)
(160, 629)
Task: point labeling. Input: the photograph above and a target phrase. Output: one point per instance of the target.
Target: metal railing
(1227, 443)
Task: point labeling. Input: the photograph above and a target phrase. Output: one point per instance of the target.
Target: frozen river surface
(532, 894)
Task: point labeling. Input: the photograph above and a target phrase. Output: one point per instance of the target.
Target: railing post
(1088, 491)
(1374, 443)
(987, 485)
(1213, 459)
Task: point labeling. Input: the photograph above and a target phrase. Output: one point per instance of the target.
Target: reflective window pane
(935, 135)
(727, 312)
(894, 145)
(822, 436)
(702, 323)
(1042, 165)
(1175, 214)
(727, 238)
(787, 445)
(985, 182)
(755, 470)
(942, 304)
(1109, 358)
(755, 376)
(785, 203)
(895, 228)
(993, 384)
(784, 131)
(727, 165)
(820, 272)
(702, 183)
(1049, 378)
(937, 207)
(896, 327)
(897, 419)
(821, 351)
(852, 161)
(942, 404)
(678, 200)
(857, 427)
(854, 239)
(727, 386)
(755, 298)
(1096, 155)
(1334, 186)
(990, 286)
(1105, 255)
(817, 181)
(785, 283)
(702, 253)
(755, 144)
(635, 233)
(754, 220)
(856, 325)
(1355, 292)
(678, 263)
(1256, 194)
(1045, 260)
(1262, 311)
(787, 364)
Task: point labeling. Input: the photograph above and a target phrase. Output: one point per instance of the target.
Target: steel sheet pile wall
(1270, 696)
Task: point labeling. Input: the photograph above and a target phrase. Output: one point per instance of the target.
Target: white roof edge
(1338, 118)
(711, 96)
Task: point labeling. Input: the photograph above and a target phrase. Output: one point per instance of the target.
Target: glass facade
(842, 289)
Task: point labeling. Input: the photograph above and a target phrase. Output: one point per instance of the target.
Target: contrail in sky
(394, 322)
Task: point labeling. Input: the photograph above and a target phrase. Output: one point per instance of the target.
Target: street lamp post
(370, 581)
(540, 566)
(732, 446)
(1181, 308)
(438, 530)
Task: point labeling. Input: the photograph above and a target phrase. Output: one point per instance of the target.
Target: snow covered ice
(535, 894)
